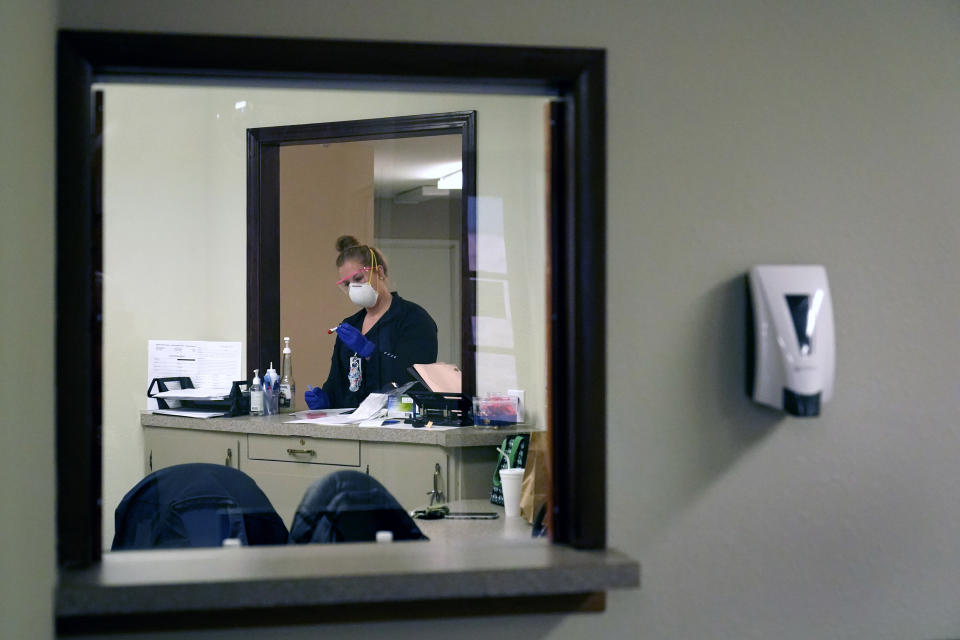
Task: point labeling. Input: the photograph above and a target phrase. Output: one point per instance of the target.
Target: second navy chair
(350, 506)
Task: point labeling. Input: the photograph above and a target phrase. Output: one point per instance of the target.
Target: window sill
(325, 583)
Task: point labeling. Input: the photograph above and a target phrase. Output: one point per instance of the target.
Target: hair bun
(345, 242)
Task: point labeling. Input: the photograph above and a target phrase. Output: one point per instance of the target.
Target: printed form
(211, 365)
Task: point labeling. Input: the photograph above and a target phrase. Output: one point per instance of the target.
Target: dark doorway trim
(263, 217)
(577, 235)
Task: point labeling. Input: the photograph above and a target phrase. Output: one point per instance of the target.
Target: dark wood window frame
(263, 217)
(576, 265)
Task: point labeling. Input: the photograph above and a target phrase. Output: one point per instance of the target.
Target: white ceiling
(401, 164)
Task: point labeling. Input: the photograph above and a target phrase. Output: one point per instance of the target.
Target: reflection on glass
(174, 237)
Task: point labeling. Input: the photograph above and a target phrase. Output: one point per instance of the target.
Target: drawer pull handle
(301, 452)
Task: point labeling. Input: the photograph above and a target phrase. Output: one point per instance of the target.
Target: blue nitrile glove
(316, 398)
(355, 340)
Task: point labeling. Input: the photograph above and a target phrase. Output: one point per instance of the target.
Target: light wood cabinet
(407, 470)
(167, 447)
(285, 466)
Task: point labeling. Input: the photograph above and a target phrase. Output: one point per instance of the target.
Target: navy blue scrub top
(404, 336)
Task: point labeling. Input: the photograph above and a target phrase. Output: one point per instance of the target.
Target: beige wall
(27, 522)
(740, 132)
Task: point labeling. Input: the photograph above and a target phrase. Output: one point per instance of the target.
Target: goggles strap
(373, 265)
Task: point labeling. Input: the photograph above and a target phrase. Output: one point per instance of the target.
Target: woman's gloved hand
(355, 340)
(316, 398)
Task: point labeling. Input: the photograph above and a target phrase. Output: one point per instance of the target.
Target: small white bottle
(288, 388)
(256, 395)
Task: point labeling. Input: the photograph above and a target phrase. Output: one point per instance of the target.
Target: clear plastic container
(495, 410)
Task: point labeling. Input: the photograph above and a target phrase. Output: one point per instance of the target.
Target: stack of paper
(373, 407)
(193, 394)
(190, 413)
(203, 395)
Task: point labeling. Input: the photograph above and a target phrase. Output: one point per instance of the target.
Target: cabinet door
(407, 470)
(285, 466)
(471, 472)
(167, 447)
(284, 483)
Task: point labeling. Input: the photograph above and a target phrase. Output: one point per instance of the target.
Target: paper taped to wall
(211, 365)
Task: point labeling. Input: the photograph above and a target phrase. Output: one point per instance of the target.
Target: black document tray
(237, 403)
(443, 409)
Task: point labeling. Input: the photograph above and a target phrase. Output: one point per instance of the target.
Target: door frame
(263, 217)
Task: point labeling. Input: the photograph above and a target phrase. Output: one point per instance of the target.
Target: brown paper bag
(536, 479)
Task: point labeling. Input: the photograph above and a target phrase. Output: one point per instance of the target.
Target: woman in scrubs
(376, 345)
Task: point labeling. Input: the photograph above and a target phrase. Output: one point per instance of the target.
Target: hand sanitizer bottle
(288, 388)
(256, 395)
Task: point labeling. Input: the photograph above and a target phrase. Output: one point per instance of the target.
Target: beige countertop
(461, 531)
(279, 425)
(462, 559)
(170, 581)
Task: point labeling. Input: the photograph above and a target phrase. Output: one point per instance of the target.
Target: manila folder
(439, 377)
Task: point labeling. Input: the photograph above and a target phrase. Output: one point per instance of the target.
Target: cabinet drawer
(304, 450)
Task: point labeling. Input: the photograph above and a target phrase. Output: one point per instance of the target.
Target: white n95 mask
(363, 294)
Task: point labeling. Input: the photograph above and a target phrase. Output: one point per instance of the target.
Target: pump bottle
(288, 388)
(256, 395)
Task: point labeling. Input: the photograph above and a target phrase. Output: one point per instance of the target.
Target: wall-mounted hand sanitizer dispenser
(791, 352)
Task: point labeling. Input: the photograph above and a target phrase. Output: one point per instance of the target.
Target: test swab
(331, 330)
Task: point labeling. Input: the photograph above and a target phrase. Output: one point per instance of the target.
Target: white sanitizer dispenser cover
(792, 352)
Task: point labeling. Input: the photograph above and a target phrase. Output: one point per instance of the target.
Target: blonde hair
(349, 248)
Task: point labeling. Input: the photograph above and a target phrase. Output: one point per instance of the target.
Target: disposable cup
(510, 480)
(271, 402)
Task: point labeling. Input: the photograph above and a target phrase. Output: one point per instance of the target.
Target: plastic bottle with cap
(288, 388)
(256, 395)
(270, 379)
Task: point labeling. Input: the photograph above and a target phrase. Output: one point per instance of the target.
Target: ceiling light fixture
(420, 194)
(451, 181)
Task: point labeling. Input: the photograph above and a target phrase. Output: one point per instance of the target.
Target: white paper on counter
(192, 394)
(373, 406)
(311, 414)
(187, 413)
(379, 422)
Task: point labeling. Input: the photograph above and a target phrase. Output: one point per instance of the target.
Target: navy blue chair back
(350, 506)
(195, 505)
